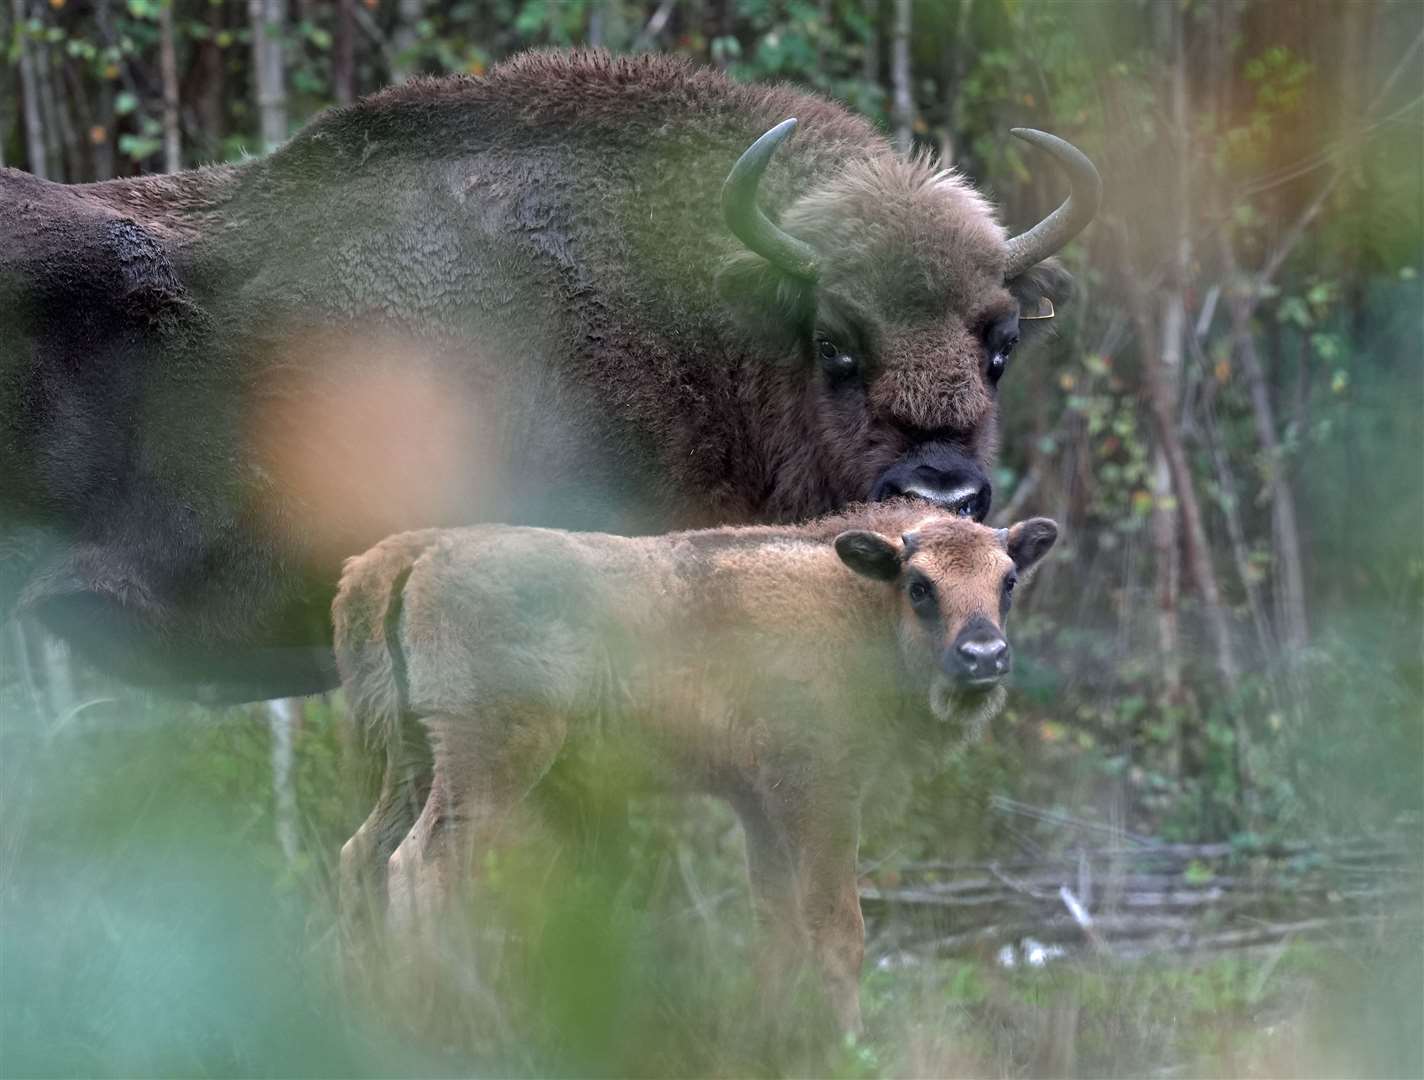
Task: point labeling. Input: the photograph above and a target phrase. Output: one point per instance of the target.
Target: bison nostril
(965, 500)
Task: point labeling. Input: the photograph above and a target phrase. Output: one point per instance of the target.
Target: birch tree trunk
(904, 101)
(168, 59)
(1167, 380)
(268, 19)
(284, 718)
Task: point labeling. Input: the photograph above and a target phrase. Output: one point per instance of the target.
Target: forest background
(1227, 421)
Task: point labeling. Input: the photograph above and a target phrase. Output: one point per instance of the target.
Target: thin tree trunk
(597, 13)
(103, 135)
(956, 50)
(269, 18)
(904, 102)
(1198, 552)
(1166, 510)
(870, 59)
(105, 126)
(21, 652)
(343, 54)
(284, 717)
(1167, 383)
(1290, 579)
(212, 93)
(74, 158)
(78, 97)
(717, 25)
(405, 39)
(168, 59)
(656, 24)
(35, 143)
(59, 676)
(823, 34)
(44, 89)
(1231, 513)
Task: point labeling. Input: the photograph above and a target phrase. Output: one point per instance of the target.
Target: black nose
(981, 657)
(942, 476)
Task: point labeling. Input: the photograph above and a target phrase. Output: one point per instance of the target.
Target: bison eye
(838, 363)
(1000, 341)
(920, 593)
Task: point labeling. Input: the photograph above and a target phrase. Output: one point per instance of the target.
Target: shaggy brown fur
(510, 298)
(751, 664)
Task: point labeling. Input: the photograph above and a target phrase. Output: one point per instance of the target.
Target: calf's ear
(1029, 541)
(870, 554)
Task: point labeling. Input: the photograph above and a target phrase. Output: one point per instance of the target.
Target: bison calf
(769, 666)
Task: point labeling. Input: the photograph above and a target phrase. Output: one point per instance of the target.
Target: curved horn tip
(1050, 234)
(745, 219)
(1059, 149)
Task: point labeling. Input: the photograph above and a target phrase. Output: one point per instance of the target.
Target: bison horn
(1049, 235)
(749, 224)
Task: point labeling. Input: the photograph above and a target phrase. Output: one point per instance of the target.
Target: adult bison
(528, 297)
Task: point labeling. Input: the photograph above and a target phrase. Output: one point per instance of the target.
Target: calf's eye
(919, 592)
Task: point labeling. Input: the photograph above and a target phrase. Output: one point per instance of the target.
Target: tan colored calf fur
(770, 666)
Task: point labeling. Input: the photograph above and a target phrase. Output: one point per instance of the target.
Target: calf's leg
(801, 856)
(485, 765)
(776, 904)
(831, 905)
(405, 786)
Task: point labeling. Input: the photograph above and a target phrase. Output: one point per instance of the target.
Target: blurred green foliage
(152, 924)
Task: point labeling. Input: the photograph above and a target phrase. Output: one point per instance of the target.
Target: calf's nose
(982, 658)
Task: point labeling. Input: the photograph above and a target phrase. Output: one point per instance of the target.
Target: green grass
(152, 926)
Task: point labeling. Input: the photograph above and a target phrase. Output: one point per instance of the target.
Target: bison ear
(765, 300)
(1040, 289)
(869, 554)
(1029, 541)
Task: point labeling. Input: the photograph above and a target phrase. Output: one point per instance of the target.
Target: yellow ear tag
(1045, 310)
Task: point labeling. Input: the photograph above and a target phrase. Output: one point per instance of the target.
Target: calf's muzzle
(980, 656)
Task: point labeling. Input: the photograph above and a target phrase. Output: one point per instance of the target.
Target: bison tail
(366, 616)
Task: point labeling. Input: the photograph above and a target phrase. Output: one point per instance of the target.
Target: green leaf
(1198, 873)
(138, 147)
